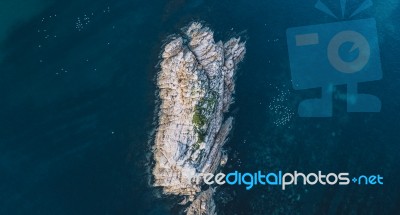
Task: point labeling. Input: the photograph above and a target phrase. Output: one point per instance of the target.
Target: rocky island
(195, 87)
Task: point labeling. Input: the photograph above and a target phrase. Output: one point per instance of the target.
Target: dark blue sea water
(77, 94)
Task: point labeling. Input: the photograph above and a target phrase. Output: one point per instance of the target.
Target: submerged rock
(196, 83)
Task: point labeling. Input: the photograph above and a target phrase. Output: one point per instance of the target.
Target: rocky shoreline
(196, 85)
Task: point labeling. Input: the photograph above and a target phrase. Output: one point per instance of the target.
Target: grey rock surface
(196, 86)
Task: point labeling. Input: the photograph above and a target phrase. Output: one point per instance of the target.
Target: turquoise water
(78, 104)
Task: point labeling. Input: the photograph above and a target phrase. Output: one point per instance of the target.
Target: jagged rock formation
(196, 83)
(203, 205)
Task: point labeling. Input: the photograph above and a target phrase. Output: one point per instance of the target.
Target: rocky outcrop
(196, 83)
(203, 205)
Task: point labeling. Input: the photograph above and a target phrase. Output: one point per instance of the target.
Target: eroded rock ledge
(196, 83)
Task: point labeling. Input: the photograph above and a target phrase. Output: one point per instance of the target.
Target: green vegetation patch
(204, 108)
(198, 118)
